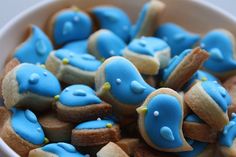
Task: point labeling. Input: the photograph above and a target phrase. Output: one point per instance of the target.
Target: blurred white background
(10, 8)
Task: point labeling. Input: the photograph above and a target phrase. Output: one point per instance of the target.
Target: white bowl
(195, 15)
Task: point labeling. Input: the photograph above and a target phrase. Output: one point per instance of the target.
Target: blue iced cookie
(147, 20)
(79, 47)
(119, 83)
(220, 44)
(113, 19)
(148, 54)
(196, 129)
(210, 101)
(95, 133)
(60, 149)
(227, 138)
(104, 44)
(35, 49)
(30, 86)
(200, 149)
(78, 103)
(177, 37)
(160, 121)
(22, 131)
(73, 68)
(181, 68)
(69, 25)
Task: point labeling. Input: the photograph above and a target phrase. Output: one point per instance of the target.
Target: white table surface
(10, 8)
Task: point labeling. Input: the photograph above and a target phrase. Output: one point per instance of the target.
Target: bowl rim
(3, 146)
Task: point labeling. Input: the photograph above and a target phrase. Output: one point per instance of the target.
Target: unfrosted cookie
(114, 19)
(95, 133)
(160, 121)
(104, 44)
(148, 19)
(73, 68)
(55, 129)
(196, 129)
(182, 67)
(148, 54)
(119, 83)
(176, 37)
(209, 101)
(22, 132)
(69, 25)
(79, 47)
(111, 150)
(79, 103)
(56, 150)
(30, 86)
(220, 44)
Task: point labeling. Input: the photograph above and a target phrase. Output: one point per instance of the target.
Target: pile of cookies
(94, 84)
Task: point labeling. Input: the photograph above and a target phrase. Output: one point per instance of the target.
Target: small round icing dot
(76, 18)
(67, 147)
(56, 97)
(155, 113)
(45, 73)
(79, 92)
(167, 133)
(67, 28)
(136, 87)
(40, 47)
(109, 125)
(118, 81)
(65, 61)
(30, 116)
(34, 78)
(99, 119)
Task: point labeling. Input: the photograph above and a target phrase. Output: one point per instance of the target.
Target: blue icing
(32, 78)
(113, 19)
(71, 25)
(62, 150)
(217, 93)
(79, 47)
(229, 133)
(85, 62)
(35, 49)
(26, 125)
(163, 128)
(136, 28)
(173, 63)
(198, 148)
(193, 118)
(108, 44)
(78, 95)
(221, 50)
(177, 38)
(147, 45)
(131, 90)
(94, 124)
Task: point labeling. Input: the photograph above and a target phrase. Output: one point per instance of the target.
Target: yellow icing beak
(141, 110)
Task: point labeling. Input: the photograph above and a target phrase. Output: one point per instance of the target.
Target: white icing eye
(99, 118)
(156, 113)
(118, 81)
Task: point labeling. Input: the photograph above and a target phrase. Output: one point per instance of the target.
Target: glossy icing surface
(173, 63)
(71, 25)
(62, 150)
(131, 90)
(26, 125)
(79, 47)
(37, 80)
(138, 25)
(35, 49)
(84, 62)
(228, 135)
(198, 148)
(162, 121)
(221, 49)
(95, 124)
(177, 38)
(108, 44)
(113, 19)
(193, 118)
(217, 93)
(147, 46)
(78, 95)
